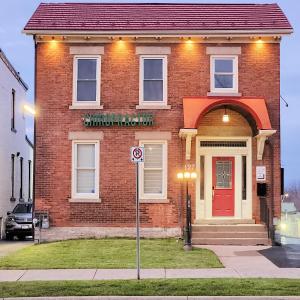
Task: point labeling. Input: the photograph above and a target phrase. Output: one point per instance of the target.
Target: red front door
(223, 186)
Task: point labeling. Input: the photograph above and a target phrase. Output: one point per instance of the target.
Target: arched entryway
(224, 153)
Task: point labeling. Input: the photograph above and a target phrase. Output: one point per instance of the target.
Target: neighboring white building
(16, 151)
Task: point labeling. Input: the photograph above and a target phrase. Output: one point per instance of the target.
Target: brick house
(198, 85)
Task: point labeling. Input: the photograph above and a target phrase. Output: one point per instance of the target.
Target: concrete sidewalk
(239, 262)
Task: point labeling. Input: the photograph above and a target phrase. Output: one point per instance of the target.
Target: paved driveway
(7, 247)
(286, 256)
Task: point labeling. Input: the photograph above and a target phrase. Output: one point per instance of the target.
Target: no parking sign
(137, 154)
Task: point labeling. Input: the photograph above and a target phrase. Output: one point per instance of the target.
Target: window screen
(86, 79)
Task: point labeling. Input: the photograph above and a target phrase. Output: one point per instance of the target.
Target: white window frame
(164, 78)
(98, 80)
(76, 195)
(235, 74)
(163, 195)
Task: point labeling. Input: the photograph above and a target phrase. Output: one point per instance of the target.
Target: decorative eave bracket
(262, 136)
(188, 134)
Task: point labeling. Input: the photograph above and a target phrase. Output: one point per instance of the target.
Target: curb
(159, 298)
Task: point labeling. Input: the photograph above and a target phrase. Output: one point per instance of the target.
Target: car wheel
(9, 237)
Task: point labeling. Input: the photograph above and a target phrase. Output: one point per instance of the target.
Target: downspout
(271, 226)
(34, 132)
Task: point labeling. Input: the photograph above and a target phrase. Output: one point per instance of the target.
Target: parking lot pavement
(7, 247)
(286, 256)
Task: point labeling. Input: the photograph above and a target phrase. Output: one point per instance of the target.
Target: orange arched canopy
(194, 108)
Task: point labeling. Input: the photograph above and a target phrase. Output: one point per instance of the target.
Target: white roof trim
(168, 33)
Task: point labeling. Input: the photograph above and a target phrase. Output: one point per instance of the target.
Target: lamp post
(187, 176)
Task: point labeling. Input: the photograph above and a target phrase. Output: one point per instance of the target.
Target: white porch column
(261, 139)
(188, 134)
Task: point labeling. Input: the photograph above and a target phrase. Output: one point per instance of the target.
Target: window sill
(223, 94)
(154, 201)
(75, 200)
(157, 106)
(74, 106)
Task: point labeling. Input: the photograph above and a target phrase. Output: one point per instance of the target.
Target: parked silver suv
(19, 222)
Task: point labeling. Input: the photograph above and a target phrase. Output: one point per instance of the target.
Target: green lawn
(160, 287)
(109, 254)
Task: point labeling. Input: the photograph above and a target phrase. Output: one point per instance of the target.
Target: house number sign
(98, 120)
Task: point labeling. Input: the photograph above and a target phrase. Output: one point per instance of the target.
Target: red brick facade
(188, 76)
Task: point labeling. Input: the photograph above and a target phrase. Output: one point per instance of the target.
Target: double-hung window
(153, 180)
(153, 80)
(86, 80)
(224, 74)
(85, 170)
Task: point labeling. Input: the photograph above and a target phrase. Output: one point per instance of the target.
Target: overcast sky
(19, 49)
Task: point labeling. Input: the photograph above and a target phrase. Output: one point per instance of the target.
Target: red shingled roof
(156, 16)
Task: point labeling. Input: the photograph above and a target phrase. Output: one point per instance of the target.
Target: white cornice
(164, 33)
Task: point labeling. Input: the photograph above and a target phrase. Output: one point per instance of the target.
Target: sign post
(137, 156)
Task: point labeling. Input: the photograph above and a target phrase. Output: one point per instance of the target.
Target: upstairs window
(86, 80)
(153, 80)
(224, 74)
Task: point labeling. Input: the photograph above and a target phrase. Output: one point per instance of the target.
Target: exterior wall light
(259, 41)
(189, 40)
(193, 175)
(29, 109)
(180, 175)
(187, 175)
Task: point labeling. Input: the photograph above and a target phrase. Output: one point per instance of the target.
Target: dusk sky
(20, 51)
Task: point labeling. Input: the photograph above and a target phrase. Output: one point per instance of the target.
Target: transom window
(85, 169)
(153, 83)
(86, 80)
(224, 73)
(153, 178)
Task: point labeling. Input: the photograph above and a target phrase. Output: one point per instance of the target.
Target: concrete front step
(224, 222)
(230, 241)
(229, 228)
(239, 234)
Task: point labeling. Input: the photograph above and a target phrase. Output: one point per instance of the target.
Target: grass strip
(159, 287)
